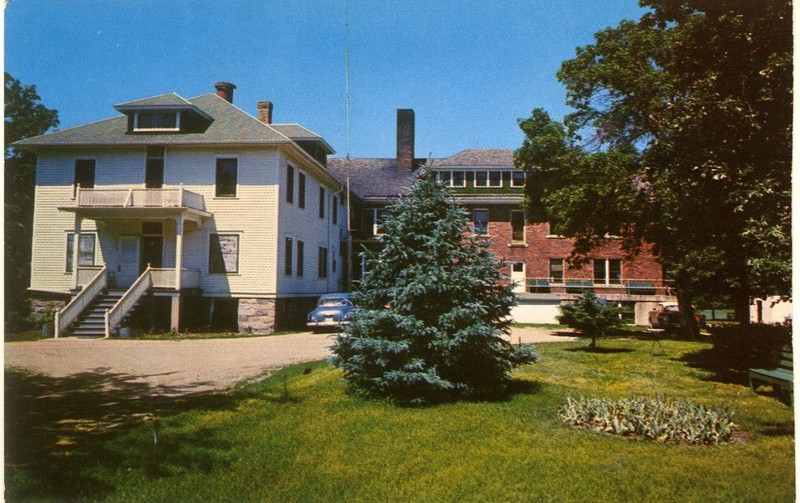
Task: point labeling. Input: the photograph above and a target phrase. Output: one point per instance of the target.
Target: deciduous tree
(681, 137)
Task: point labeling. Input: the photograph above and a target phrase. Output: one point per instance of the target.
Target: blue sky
(469, 69)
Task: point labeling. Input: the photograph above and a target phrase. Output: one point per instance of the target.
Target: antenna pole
(347, 140)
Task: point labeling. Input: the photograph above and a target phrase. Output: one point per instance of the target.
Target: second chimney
(265, 111)
(225, 91)
(405, 139)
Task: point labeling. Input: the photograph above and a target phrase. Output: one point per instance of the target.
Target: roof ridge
(151, 97)
(237, 108)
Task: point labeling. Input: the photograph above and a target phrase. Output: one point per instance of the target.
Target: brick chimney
(225, 91)
(265, 111)
(405, 139)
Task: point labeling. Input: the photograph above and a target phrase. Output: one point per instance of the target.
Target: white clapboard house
(190, 208)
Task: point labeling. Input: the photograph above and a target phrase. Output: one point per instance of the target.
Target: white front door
(128, 261)
(518, 277)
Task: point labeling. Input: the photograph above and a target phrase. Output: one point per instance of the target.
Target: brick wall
(539, 247)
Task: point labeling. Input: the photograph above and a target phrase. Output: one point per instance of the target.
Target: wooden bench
(781, 376)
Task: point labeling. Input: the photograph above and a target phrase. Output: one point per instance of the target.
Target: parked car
(668, 316)
(333, 310)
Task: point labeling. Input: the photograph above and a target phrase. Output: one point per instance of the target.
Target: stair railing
(69, 313)
(115, 315)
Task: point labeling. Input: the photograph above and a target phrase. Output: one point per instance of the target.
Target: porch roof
(116, 213)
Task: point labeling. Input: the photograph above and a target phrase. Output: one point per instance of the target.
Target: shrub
(590, 315)
(660, 420)
(751, 346)
(432, 309)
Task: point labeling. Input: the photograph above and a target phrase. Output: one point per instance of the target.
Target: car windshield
(332, 301)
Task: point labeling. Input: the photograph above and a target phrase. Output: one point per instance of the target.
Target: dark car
(333, 310)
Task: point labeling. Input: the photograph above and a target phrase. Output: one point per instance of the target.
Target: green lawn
(298, 436)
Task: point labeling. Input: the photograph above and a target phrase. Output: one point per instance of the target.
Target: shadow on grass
(62, 433)
(600, 350)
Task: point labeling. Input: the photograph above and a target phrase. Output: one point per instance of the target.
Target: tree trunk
(741, 306)
(688, 326)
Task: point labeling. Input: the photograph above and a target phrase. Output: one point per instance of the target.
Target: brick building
(491, 188)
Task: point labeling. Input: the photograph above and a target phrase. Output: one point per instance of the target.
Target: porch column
(178, 251)
(76, 243)
(175, 317)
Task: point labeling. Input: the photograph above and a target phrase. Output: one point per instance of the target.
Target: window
(517, 178)
(158, 121)
(373, 219)
(289, 184)
(223, 253)
(335, 211)
(300, 257)
(556, 270)
(488, 178)
(85, 250)
(517, 226)
(227, 177)
(480, 221)
(84, 174)
(607, 271)
(322, 262)
(287, 257)
(301, 190)
(452, 178)
(154, 168)
(321, 202)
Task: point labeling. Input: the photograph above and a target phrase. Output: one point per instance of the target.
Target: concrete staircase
(91, 322)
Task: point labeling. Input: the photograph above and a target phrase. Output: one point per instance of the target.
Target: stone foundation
(40, 307)
(257, 316)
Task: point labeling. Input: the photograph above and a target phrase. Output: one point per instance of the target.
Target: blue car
(333, 310)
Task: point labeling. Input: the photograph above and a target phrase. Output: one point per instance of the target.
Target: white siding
(305, 225)
(252, 214)
(54, 177)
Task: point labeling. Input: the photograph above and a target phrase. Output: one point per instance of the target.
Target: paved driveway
(186, 366)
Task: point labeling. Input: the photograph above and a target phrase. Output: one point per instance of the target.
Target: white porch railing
(139, 198)
(87, 273)
(165, 278)
(71, 311)
(129, 299)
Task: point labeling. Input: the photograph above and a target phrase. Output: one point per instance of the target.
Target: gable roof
(230, 125)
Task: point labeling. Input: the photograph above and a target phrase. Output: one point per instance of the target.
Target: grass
(299, 436)
(35, 335)
(23, 335)
(170, 336)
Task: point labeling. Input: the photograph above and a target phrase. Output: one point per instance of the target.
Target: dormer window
(157, 121)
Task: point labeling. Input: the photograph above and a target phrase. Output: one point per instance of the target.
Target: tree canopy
(680, 143)
(432, 309)
(25, 116)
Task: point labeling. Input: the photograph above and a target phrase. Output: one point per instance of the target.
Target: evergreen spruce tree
(590, 315)
(432, 309)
